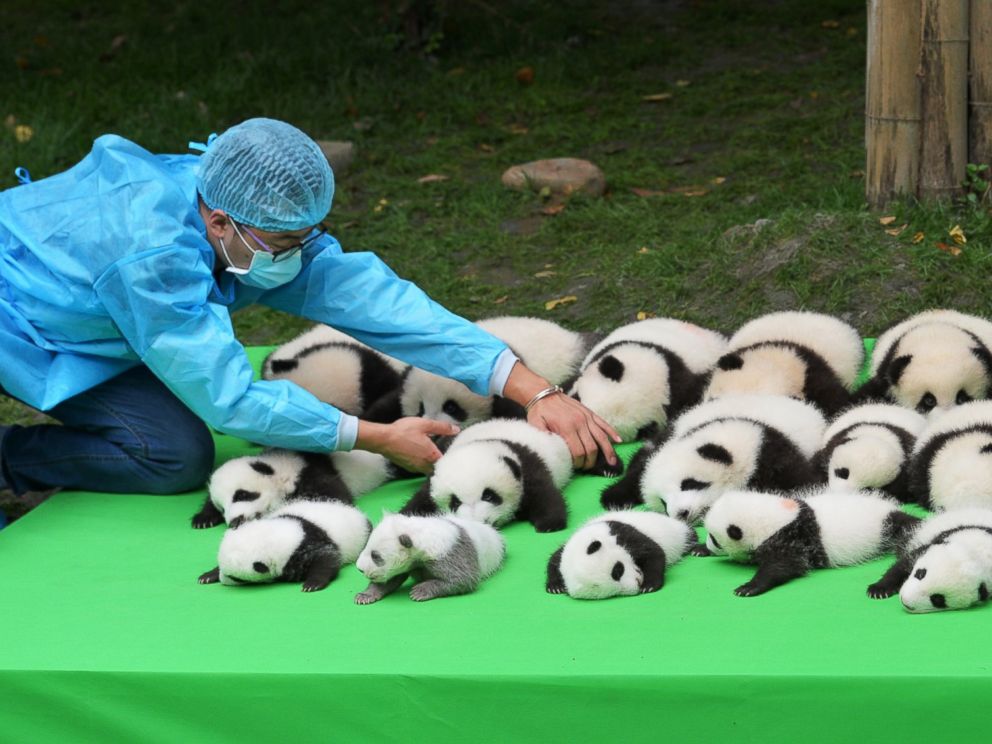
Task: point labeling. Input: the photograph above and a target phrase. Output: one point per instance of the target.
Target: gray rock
(562, 176)
(339, 154)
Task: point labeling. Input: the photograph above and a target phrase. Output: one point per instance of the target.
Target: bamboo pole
(944, 98)
(892, 101)
(980, 114)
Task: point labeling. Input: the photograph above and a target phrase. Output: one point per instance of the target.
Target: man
(117, 280)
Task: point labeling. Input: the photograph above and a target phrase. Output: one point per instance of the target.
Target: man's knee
(180, 461)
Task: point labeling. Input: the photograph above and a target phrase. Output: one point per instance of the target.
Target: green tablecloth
(107, 636)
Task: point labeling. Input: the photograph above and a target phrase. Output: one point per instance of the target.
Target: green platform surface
(106, 636)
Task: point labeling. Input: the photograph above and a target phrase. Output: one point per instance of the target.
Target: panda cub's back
(698, 347)
(346, 525)
(551, 448)
(674, 536)
(851, 524)
(933, 526)
(489, 545)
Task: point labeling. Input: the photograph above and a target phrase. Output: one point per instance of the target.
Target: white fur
(588, 576)
(954, 569)
(426, 394)
(361, 471)
(545, 347)
(960, 474)
(474, 463)
(733, 423)
(767, 370)
(273, 539)
(851, 524)
(432, 538)
(942, 362)
(318, 335)
(237, 474)
(639, 397)
(934, 525)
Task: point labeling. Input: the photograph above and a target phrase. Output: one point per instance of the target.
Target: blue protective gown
(107, 266)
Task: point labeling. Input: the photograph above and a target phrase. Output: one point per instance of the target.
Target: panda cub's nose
(842, 473)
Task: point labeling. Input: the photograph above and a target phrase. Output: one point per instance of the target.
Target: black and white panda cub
(945, 565)
(336, 368)
(618, 553)
(545, 347)
(644, 374)
(499, 471)
(871, 446)
(762, 442)
(247, 487)
(803, 355)
(952, 462)
(787, 537)
(932, 361)
(306, 541)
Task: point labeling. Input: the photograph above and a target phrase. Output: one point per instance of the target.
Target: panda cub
(644, 374)
(935, 360)
(618, 553)
(498, 471)
(788, 537)
(870, 446)
(306, 541)
(952, 462)
(445, 555)
(945, 565)
(247, 487)
(803, 355)
(545, 347)
(761, 442)
(336, 368)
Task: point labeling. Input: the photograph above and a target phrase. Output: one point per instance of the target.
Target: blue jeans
(127, 435)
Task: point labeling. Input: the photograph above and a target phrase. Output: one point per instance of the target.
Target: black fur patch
(780, 465)
(541, 503)
(281, 366)
(899, 486)
(617, 573)
(315, 541)
(405, 541)
(593, 547)
(897, 367)
(983, 592)
(730, 362)
(260, 567)
(716, 453)
(454, 409)
(897, 529)
(514, 467)
(611, 368)
(986, 449)
(733, 532)
(262, 467)
(647, 555)
(647, 431)
(842, 473)
(319, 480)
(243, 495)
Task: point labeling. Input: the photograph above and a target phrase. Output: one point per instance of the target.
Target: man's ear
(215, 220)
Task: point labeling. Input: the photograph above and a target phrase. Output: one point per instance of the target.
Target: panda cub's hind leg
(769, 576)
(208, 516)
(434, 588)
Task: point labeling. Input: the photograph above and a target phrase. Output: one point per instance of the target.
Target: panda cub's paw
(555, 588)
(700, 550)
(366, 598)
(750, 589)
(878, 590)
(210, 577)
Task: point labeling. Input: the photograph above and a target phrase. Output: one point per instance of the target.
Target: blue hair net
(267, 174)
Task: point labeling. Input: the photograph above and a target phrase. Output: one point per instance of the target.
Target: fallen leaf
(23, 133)
(517, 129)
(958, 234)
(552, 304)
(718, 180)
(548, 266)
(552, 209)
(432, 178)
(22, 63)
(852, 31)
(431, 141)
(656, 97)
(525, 75)
(814, 94)
(918, 238)
(643, 315)
(545, 192)
(41, 40)
(952, 249)
(896, 231)
(350, 223)
(363, 123)
(544, 274)
(501, 300)
(683, 83)
(643, 249)
(886, 220)
(857, 173)
(647, 192)
(689, 190)
(10, 122)
(456, 71)
(421, 115)
(486, 148)
(830, 24)
(115, 46)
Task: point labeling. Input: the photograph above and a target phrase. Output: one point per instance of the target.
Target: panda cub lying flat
(762, 442)
(807, 356)
(952, 462)
(945, 565)
(644, 374)
(788, 537)
(306, 541)
(445, 556)
(937, 359)
(618, 553)
(499, 471)
(871, 446)
(248, 487)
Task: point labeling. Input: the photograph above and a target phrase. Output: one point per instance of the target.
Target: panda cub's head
(393, 547)
(595, 566)
(936, 367)
(687, 475)
(248, 487)
(480, 481)
(950, 575)
(740, 521)
(438, 398)
(870, 457)
(257, 552)
(767, 369)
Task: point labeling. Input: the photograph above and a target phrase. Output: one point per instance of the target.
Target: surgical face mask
(263, 271)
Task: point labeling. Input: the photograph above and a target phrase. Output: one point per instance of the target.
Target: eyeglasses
(284, 253)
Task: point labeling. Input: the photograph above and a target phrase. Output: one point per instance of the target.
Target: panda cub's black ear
(262, 468)
(405, 541)
(983, 592)
(596, 545)
(514, 466)
(730, 362)
(611, 368)
(896, 367)
(716, 453)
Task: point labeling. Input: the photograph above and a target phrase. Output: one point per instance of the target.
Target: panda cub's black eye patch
(260, 567)
(243, 495)
(492, 497)
(617, 572)
(938, 601)
(734, 532)
(611, 368)
(262, 467)
(593, 547)
(963, 397)
(420, 410)
(376, 557)
(691, 484)
(455, 503)
(983, 592)
(454, 410)
(920, 573)
(927, 403)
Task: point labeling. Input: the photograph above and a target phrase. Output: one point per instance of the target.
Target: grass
(765, 115)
